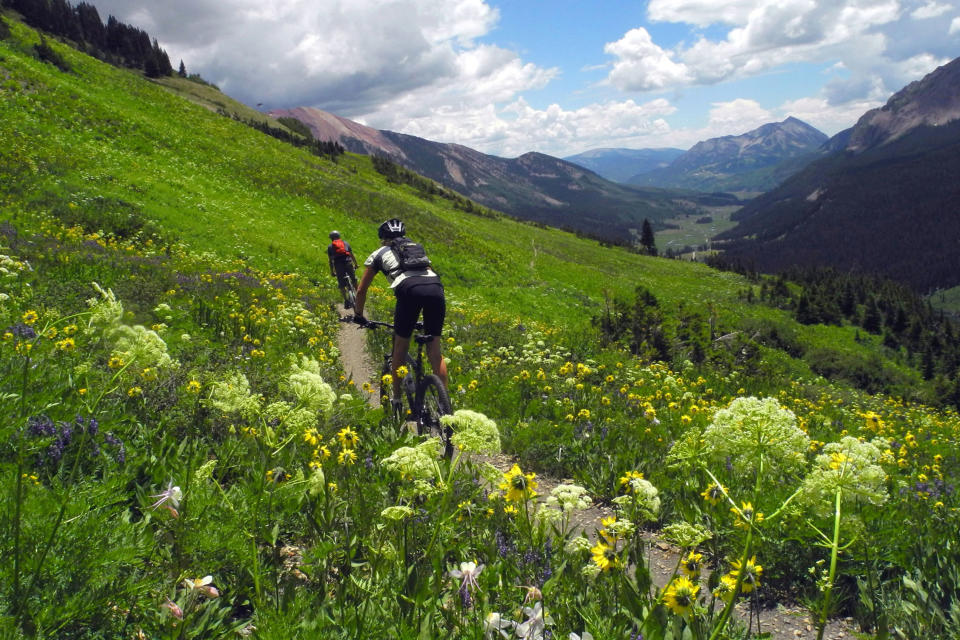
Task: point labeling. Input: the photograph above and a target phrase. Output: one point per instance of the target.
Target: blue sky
(559, 76)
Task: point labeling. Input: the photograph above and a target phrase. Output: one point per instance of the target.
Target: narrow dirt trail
(782, 622)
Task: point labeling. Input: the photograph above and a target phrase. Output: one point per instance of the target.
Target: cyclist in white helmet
(416, 287)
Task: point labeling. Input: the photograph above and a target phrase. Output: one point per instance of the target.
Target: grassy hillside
(182, 456)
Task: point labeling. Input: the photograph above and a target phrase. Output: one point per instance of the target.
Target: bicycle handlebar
(373, 324)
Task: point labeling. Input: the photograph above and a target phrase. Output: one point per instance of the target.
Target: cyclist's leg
(434, 313)
(341, 279)
(404, 318)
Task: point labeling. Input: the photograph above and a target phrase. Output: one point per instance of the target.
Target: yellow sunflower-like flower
(714, 493)
(347, 456)
(724, 590)
(193, 386)
(680, 596)
(746, 514)
(348, 438)
(29, 317)
(627, 477)
(751, 574)
(517, 486)
(691, 564)
(605, 556)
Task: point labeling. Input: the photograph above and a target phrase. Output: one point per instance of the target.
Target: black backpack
(410, 255)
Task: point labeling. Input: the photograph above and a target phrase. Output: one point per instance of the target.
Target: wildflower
(725, 588)
(115, 362)
(468, 573)
(680, 596)
(534, 626)
(627, 477)
(569, 497)
(174, 609)
(134, 391)
(714, 493)
(386, 380)
(517, 485)
(751, 574)
(605, 556)
(347, 456)
(495, 623)
(193, 386)
(67, 344)
(691, 564)
(746, 515)
(473, 432)
(397, 513)
(348, 438)
(29, 317)
(402, 371)
(751, 428)
(203, 586)
(171, 495)
(414, 462)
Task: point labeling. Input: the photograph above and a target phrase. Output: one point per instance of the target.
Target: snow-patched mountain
(752, 162)
(620, 165)
(886, 199)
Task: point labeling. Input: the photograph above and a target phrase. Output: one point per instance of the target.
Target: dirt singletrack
(784, 621)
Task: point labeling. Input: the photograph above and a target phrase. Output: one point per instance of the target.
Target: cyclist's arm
(330, 260)
(365, 281)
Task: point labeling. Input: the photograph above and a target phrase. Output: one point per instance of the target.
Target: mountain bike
(349, 288)
(427, 398)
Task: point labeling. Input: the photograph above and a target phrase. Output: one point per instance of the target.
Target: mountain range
(755, 161)
(619, 165)
(534, 186)
(884, 197)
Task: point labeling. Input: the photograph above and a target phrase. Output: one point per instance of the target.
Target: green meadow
(182, 456)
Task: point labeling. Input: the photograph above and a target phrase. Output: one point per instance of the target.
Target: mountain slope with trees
(534, 186)
(886, 200)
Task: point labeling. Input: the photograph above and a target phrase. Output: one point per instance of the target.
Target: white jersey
(385, 261)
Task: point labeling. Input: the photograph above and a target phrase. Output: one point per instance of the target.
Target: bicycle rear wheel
(351, 296)
(434, 402)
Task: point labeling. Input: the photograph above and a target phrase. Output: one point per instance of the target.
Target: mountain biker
(342, 265)
(416, 290)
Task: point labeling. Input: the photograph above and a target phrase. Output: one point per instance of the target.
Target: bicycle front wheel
(386, 390)
(434, 402)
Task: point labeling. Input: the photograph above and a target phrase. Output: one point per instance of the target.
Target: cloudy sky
(558, 76)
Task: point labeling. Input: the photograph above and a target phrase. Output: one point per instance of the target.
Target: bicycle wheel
(351, 295)
(386, 390)
(434, 402)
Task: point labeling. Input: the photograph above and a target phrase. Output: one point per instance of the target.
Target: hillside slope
(105, 149)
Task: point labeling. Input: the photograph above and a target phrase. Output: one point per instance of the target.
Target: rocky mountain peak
(932, 101)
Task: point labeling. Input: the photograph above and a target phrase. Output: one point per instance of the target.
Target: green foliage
(180, 302)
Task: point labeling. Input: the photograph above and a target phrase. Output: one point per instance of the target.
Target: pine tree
(183, 70)
(647, 241)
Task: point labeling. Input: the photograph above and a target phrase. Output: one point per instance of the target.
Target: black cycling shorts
(414, 297)
(345, 272)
